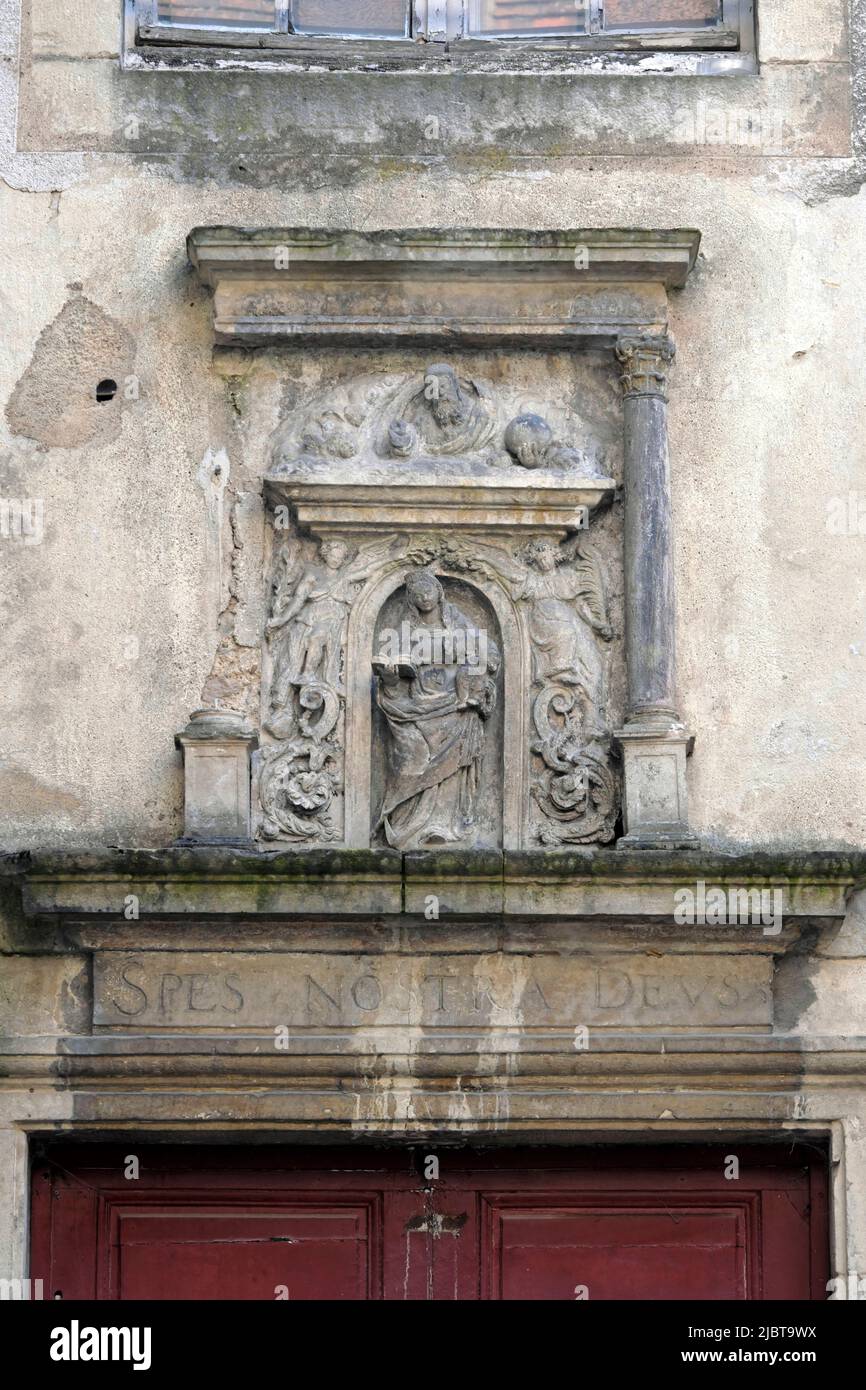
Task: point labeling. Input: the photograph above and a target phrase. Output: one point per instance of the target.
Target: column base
(216, 745)
(655, 801)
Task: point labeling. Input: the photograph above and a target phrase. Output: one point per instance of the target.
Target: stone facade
(594, 868)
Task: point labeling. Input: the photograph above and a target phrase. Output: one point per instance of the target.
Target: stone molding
(570, 288)
(605, 885)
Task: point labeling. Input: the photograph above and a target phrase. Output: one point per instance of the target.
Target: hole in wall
(106, 390)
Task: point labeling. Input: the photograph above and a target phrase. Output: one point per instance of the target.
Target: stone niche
(466, 644)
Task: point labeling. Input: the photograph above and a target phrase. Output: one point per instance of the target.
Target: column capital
(645, 361)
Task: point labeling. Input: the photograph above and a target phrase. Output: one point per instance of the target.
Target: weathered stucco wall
(148, 563)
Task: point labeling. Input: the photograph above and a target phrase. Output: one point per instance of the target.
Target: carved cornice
(344, 507)
(601, 883)
(573, 288)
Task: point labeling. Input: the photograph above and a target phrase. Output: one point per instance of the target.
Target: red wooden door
(364, 1223)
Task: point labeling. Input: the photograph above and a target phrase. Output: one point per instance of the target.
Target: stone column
(654, 741)
(217, 745)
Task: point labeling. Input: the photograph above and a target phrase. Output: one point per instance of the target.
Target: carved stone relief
(436, 732)
(302, 776)
(451, 730)
(436, 424)
(560, 591)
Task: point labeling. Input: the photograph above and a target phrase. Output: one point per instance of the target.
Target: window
(346, 18)
(447, 32)
(528, 17)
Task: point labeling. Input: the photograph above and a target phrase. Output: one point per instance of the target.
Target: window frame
(439, 41)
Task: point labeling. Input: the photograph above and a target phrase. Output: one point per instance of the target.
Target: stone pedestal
(655, 805)
(216, 745)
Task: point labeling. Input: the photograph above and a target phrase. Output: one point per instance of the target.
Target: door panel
(364, 1223)
(303, 1251)
(605, 1253)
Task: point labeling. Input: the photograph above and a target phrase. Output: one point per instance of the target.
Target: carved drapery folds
(425, 683)
(437, 732)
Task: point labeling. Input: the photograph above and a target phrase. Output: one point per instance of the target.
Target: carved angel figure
(307, 623)
(563, 588)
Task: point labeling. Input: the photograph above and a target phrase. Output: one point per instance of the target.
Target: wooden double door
(158, 1222)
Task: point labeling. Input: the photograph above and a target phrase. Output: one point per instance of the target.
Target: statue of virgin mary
(434, 706)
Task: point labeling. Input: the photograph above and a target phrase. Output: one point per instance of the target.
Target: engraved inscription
(307, 991)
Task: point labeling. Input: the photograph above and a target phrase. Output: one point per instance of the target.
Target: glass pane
(232, 14)
(661, 14)
(385, 18)
(527, 17)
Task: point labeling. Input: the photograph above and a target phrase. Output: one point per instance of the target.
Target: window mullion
(430, 20)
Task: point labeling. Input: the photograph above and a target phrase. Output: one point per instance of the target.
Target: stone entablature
(488, 996)
(462, 287)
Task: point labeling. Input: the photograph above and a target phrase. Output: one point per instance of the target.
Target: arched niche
(510, 727)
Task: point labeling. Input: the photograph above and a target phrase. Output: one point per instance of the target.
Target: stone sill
(393, 58)
(606, 884)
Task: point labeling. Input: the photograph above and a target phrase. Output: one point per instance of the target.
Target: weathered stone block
(44, 995)
(227, 991)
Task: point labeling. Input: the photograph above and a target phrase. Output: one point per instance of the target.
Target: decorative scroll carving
(562, 588)
(435, 700)
(298, 784)
(576, 791)
(645, 363)
(302, 773)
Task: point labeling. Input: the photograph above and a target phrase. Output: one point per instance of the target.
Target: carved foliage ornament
(645, 364)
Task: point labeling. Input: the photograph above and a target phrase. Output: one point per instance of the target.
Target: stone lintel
(569, 288)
